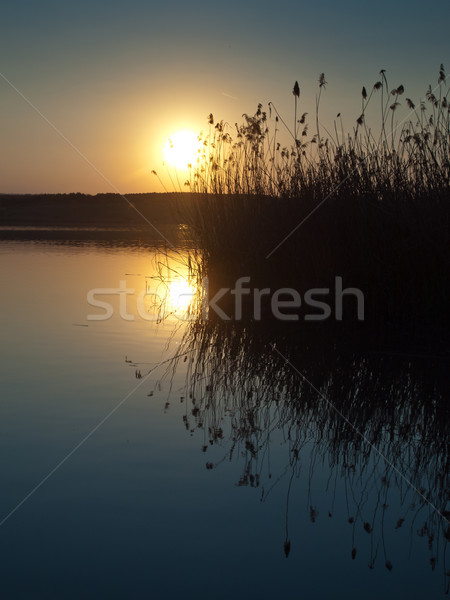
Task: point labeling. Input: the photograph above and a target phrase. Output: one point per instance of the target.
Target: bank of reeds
(371, 206)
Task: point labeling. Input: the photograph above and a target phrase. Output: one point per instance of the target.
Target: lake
(149, 456)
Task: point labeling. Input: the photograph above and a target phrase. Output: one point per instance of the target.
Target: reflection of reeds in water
(379, 422)
(172, 290)
(374, 206)
(331, 393)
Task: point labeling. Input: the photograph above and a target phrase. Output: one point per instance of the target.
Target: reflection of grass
(384, 226)
(173, 288)
(243, 398)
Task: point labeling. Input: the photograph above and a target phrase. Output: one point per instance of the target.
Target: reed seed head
(322, 82)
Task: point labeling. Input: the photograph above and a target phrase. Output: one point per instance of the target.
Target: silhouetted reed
(370, 400)
(406, 158)
(372, 206)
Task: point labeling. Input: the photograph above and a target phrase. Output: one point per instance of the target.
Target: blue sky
(118, 78)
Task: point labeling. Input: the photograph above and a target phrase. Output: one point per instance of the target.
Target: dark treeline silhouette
(101, 210)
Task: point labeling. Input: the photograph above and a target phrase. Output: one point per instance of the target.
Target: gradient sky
(118, 78)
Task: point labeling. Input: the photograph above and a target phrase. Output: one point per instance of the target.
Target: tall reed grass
(410, 152)
(372, 205)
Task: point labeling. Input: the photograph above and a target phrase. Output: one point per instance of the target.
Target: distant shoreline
(84, 210)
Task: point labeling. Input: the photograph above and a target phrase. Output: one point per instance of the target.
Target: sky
(90, 92)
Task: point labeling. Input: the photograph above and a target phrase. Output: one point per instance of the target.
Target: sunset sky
(117, 79)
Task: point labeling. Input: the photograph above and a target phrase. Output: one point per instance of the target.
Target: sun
(181, 149)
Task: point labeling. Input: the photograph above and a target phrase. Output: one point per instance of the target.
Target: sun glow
(180, 295)
(181, 149)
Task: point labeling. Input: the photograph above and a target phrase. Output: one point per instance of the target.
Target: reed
(372, 205)
(368, 399)
(412, 153)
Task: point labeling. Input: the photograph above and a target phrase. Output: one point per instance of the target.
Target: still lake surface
(113, 486)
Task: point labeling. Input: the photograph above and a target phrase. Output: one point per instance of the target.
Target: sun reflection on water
(173, 291)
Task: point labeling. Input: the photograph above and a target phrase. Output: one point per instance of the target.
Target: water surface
(134, 489)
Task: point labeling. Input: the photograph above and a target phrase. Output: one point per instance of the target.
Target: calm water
(153, 494)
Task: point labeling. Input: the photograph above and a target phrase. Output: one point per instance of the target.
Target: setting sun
(181, 149)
